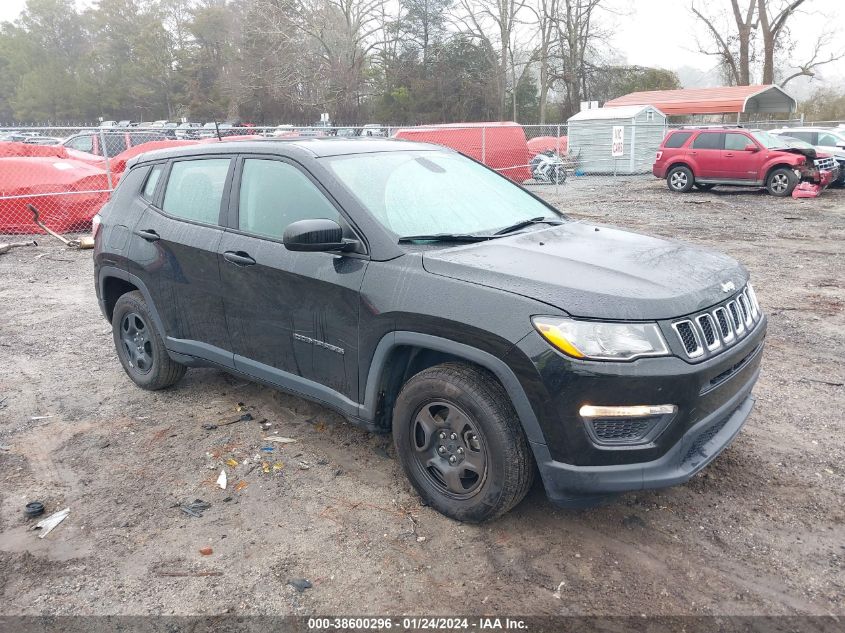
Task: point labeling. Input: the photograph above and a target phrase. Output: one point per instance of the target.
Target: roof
(727, 99)
(623, 112)
(315, 147)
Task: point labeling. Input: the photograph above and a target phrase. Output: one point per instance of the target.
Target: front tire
(680, 179)
(781, 182)
(461, 444)
(139, 345)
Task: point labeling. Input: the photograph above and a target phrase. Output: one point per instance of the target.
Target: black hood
(599, 272)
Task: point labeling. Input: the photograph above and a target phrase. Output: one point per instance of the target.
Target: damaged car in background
(708, 157)
(418, 292)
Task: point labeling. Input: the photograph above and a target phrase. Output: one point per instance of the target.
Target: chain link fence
(68, 173)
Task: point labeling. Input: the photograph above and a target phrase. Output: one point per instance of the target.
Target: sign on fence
(617, 147)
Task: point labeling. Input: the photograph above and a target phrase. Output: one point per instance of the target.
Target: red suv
(706, 157)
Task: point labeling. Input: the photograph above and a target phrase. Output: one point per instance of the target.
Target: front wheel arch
(792, 177)
(376, 398)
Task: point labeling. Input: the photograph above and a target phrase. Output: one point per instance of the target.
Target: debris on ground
(47, 525)
(7, 246)
(84, 242)
(222, 480)
(188, 574)
(279, 439)
(807, 190)
(206, 551)
(300, 584)
(195, 508)
(34, 509)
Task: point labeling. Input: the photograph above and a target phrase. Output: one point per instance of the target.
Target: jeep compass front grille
(717, 329)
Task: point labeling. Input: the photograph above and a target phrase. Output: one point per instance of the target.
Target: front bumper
(570, 485)
(713, 397)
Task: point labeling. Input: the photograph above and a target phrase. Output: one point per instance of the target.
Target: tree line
(287, 61)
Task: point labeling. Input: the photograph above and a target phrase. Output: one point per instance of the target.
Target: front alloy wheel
(460, 442)
(449, 449)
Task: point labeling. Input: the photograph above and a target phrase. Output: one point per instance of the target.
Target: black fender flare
(119, 273)
(498, 367)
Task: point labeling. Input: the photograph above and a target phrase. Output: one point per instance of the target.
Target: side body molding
(363, 414)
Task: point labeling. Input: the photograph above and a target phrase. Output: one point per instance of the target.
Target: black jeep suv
(415, 290)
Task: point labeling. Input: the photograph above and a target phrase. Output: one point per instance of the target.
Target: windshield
(435, 192)
(795, 142)
(769, 141)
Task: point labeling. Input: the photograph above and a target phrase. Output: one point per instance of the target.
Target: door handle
(729, 154)
(239, 258)
(148, 234)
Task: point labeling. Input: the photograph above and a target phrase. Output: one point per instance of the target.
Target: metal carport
(724, 100)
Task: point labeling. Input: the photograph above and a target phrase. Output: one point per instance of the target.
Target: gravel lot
(758, 532)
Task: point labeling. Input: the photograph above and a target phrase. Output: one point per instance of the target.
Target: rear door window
(826, 140)
(195, 189)
(677, 139)
(82, 143)
(708, 140)
(115, 144)
(807, 137)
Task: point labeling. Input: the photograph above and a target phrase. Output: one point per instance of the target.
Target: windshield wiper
(521, 225)
(445, 237)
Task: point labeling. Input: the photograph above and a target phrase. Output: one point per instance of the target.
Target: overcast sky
(662, 33)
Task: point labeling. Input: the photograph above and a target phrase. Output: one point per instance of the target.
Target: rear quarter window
(149, 189)
(676, 139)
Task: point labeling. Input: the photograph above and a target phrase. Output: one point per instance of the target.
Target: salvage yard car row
(70, 179)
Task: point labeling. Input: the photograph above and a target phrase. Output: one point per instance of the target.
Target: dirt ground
(760, 531)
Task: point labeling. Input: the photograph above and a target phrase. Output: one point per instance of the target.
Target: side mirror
(751, 147)
(316, 235)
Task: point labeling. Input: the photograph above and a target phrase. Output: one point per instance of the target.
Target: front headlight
(594, 340)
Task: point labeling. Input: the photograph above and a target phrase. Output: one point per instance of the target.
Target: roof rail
(708, 127)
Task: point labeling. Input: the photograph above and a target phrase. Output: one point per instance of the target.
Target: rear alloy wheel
(139, 346)
(460, 442)
(680, 179)
(781, 182)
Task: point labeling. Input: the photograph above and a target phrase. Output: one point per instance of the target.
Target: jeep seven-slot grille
(715, 330)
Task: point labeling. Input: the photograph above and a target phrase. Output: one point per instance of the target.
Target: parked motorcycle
(548, 167)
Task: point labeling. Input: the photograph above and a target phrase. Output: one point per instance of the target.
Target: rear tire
(139, 345)
(461, 444)
(680, 179)
(781, 182)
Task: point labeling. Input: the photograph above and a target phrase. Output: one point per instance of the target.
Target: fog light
(632, 411)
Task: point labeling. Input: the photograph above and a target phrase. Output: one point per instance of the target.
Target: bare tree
(774, 19)
(736, 65)
(773, 22)
(546, 15)
(576, 29)
(494, 23)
